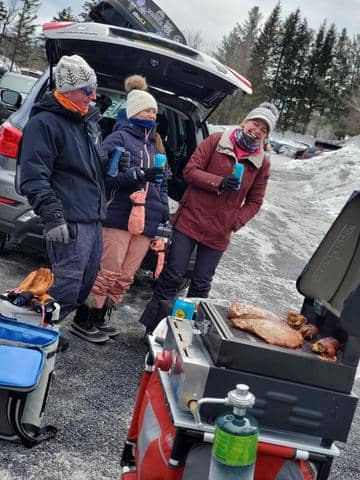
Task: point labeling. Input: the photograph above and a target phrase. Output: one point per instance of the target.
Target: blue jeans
(177, 261)
(75, 265)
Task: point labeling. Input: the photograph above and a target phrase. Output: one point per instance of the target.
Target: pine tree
(3, 12)
(235, 51)
(24, 28)
(288, 63)
(296, 92)
(8, 16)
(261, 59)
(65, 15)
(317, 93)
(339, 82)
(86, 10)
(354, 54)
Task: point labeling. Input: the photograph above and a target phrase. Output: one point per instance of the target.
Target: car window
(17, 83)
(118, 102)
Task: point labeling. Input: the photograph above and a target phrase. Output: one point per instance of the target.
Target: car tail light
(10, 138)
(8, 201)
(55, 25)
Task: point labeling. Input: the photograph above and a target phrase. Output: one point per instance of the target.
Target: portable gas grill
(302, 402)
(295, 390)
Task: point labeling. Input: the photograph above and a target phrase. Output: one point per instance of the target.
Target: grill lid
(333, 271)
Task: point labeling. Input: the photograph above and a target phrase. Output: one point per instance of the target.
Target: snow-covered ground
(302, 201)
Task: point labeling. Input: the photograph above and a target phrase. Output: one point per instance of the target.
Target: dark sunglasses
(89, 90)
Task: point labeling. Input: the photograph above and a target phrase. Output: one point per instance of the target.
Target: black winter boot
(102, 319)
(83, 326)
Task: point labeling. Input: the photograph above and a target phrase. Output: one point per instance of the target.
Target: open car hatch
(116, 52)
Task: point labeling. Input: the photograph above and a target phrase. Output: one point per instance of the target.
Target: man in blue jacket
(62, 175)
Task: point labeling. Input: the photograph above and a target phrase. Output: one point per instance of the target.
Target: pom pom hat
(267, 112)
(72, 73)
(138, 99)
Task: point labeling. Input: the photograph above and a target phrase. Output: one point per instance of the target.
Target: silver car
(185, 82)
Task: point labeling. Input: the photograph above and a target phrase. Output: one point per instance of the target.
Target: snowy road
(93, 392)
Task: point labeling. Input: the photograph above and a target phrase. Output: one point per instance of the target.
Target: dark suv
(182, 79)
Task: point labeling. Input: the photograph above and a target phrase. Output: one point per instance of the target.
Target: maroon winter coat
(207, 215)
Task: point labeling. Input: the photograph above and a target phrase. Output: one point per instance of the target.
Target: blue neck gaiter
(148, 124)
(245, 142)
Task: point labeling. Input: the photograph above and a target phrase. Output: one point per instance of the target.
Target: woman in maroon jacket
(215, 204)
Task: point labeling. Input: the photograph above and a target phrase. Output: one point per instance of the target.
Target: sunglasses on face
(89, 90)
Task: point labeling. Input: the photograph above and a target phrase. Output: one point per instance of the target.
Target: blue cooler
(27, 361)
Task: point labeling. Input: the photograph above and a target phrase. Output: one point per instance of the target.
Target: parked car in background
(31, 72)
(216, 128)
(277, 146)
(307, 152)
(180, 78)
(17, 82)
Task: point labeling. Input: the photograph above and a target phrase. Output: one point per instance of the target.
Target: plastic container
(183, 309)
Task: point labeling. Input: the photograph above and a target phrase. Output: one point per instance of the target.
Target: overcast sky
(214, 18)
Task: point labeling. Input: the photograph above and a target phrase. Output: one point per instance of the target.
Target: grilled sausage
(309, 331)
(327, 347)
(296, 320)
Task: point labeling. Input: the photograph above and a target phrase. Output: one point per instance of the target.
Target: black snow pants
(177, 262)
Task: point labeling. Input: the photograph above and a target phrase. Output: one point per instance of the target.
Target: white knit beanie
(267, 112)
(138, 99)
(73, 73)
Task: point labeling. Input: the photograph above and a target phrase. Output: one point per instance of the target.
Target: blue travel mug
(238, 171)
(113, 165)
(160, 160)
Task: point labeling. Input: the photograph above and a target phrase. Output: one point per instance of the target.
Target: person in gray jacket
(62, 175)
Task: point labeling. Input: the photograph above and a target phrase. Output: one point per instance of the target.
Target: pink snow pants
(121, 258)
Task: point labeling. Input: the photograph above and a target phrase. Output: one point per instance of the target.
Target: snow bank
(333, 176)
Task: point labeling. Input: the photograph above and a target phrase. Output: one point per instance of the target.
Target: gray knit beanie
(138, 99)
(267, 112)
(72, 73)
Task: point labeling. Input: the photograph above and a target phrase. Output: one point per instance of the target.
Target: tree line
(311, 76)
(19, 41)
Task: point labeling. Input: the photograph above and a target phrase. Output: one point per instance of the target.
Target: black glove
(230, 183)
(154, 174)
(124, 162)
(134, 175)
(56, 229)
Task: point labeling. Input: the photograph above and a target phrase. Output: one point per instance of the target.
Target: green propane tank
(233, 454)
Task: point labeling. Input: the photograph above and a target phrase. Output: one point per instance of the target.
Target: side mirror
(11, 98)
